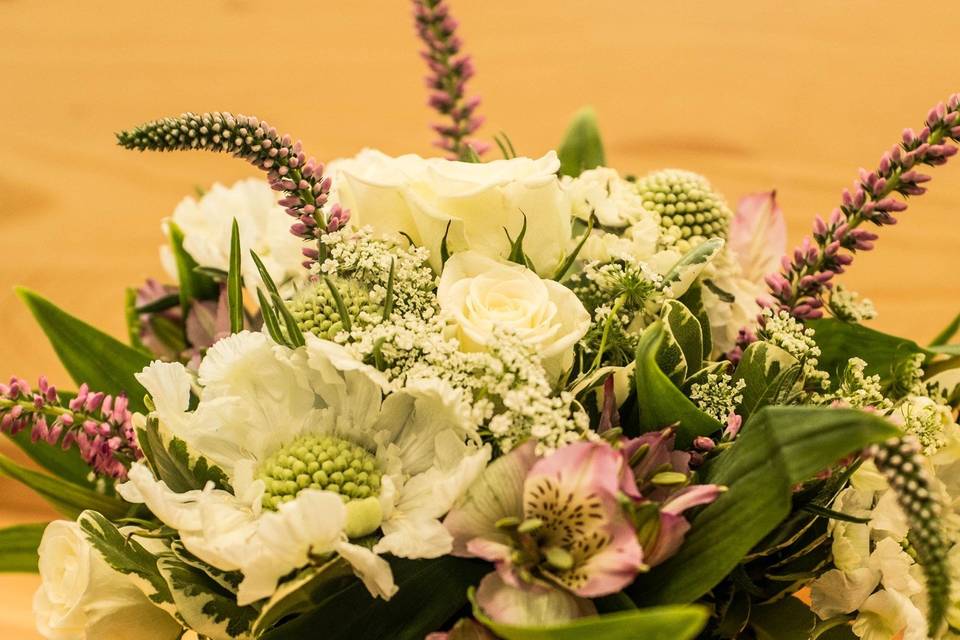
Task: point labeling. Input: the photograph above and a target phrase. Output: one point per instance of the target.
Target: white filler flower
(82, 597)
(317, 452)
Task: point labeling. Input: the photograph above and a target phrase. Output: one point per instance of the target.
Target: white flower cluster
(783, 330)
(846, 305)
(875, 579)
(512, 398)
(719, 395)
(856, 389)
(358, 255)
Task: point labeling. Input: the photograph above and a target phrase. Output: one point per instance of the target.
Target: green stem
(608, 323)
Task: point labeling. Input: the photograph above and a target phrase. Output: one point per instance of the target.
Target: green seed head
(690, 211)
(319, 462)
(316, 310)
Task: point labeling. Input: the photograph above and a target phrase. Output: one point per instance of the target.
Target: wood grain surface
(754, 94)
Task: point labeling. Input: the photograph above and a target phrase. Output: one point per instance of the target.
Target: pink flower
(553, 523)
(758, 235)
(649, 455)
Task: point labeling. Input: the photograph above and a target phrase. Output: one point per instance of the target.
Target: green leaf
(444, 248)
(660, 402)
(686, 330)
(67, 498)
(582, 147)
(948, 332)
(777, 448)
(235, 281)
(840, 341)
(657, 623)
(126, 555)
(767, 370)
(194, 284)
(570, 259)
(388, 298)
(516, 246)
(203, 604)
(89, 355)
(132, 318)
(304, 592)
(264, 274)
(342, 310)
(786, 619)
(175, 463)
(270, 320)
(65, 464)
(683, 274)
(159, 305)
(18, 548)
(294, 334)
(431, 592)
(692, 299)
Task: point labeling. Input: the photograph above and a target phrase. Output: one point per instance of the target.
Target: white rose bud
(83, 598)
(420, 197)
(481, 294)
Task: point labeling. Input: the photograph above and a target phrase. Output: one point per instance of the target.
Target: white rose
(420, 197)
(207, 226)
(481, 294)
(81, 597)
(603, 193)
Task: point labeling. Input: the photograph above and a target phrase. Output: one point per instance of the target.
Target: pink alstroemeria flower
(758, 235)
(553, 526)
(648, 455)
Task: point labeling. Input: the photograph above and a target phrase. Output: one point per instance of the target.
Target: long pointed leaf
(89, 355)
(18, 547)
(67, 498)
(235, 282)
(777, 448)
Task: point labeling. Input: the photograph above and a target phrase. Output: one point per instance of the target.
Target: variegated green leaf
(768, 371)
(303, 593)
(682, 275)
(174, 462)
(203, 604)
(670, 358)
(229, 580)
(126, 555)
(693, 300)
(659, 401)
(686, 331)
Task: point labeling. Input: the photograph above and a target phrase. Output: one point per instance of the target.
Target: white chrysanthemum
(317, 451)
(207, 224)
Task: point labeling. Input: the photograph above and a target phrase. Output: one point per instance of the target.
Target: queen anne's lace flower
(316, 453)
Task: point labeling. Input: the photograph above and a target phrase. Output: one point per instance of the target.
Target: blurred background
(755, 95)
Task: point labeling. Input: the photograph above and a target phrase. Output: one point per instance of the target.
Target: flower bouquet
(522, 398)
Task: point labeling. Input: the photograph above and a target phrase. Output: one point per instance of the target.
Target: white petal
(371, 568)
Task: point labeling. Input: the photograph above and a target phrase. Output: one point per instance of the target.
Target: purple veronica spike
(449, 72)
(288, 169)
(808, 274)
(99, 425)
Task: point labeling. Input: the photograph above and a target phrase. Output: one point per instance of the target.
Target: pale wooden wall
(753, 94)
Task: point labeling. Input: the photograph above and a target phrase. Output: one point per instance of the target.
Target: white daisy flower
(318, 450)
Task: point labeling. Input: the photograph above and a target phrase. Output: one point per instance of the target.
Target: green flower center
(319, 462)
(316, 310)
(690, 211)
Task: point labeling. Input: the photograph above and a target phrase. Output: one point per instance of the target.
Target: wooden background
(756, 95)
